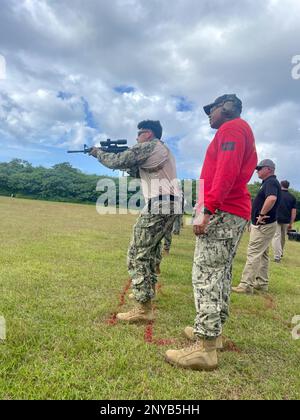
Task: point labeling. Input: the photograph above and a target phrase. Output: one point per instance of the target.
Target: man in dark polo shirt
(264, 222)
(286, 216)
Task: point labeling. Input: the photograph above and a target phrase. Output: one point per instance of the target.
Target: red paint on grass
(123, 294)
(158, 287)
(148, 333)
(230, 346)
(112, 320)
(148, 336)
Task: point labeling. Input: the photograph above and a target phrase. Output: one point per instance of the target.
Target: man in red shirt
(219, 224)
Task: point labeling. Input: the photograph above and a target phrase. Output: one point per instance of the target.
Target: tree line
(62, 182)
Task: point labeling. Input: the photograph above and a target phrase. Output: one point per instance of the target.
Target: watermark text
(160, 196)
(296, 67)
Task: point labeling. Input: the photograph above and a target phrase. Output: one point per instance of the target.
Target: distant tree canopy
(62, 182)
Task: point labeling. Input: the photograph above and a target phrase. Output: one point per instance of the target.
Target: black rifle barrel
(86, 149)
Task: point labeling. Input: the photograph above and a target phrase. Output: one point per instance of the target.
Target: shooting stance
(219, 224)
(151, 160)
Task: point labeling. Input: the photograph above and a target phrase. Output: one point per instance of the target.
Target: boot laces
(194, 346)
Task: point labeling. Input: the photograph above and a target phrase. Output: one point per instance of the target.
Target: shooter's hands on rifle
(94, 151)
(201, 229)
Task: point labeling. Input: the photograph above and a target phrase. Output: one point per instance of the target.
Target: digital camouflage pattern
(178, 224)
(175, 230)
(212, 272)
(168, 239)
(145, 251)
(129, 160)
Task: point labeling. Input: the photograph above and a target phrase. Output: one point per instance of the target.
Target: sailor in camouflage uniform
(219, 224)
(152, 161)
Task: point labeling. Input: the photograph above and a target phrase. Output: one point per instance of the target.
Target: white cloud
(164, 50)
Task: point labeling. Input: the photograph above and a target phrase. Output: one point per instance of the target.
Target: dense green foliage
(62, 182)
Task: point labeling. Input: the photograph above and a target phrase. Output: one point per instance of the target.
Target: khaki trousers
(256, 271)
(279, 240)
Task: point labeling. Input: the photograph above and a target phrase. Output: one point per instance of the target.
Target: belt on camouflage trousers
(162, 198)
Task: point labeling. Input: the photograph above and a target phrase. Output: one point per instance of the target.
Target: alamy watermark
(296, 67)
(296, 330)
(127, 196)
(2, 67)
(2, 328)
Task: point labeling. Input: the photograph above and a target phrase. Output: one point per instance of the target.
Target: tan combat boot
(142, 312)
(243, 290)
(200, 356)
(189, 333)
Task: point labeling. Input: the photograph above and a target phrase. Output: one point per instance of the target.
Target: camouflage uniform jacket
(130, 160)
(151, 161)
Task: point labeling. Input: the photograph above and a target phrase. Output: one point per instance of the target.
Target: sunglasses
(142, 132)
(213, 108)
(259, 168)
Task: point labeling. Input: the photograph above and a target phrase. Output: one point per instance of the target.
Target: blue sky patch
(183, 105)
(124, 89)
(89, 117)
(64, 95)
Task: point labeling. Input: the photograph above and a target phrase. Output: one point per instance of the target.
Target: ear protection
(229, 109)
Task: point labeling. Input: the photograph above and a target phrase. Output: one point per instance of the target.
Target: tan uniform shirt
(153, 161)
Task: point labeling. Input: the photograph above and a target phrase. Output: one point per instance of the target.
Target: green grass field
(63, 272)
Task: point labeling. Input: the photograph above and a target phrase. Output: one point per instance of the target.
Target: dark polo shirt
(270, 186)
(287, 204)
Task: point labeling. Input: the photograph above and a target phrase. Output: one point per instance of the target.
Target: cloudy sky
(82, 71)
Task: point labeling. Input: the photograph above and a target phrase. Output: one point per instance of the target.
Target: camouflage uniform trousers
(145, 252)
(175, 230)
(178, 224)
(168, 239)
(212, 272)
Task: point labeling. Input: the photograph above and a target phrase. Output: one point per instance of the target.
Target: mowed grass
(63, 268)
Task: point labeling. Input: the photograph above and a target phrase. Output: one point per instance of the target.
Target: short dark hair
(285, 184)
(154, 126)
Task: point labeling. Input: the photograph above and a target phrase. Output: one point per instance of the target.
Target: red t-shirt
(229, 164)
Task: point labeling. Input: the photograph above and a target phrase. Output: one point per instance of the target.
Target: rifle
(108, 146)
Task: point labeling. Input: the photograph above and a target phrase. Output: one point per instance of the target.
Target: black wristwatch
(206, 211)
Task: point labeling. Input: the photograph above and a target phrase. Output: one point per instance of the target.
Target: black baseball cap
(222, 99)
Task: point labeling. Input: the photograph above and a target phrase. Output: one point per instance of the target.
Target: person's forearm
(268, 204)
(122, 161)
(294, 215)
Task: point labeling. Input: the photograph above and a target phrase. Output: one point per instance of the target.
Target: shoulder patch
(228, 146)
